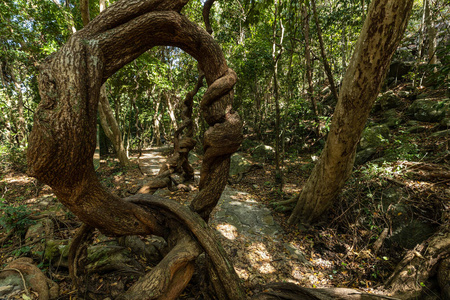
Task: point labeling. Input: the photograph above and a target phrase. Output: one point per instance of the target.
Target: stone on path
(244, 215)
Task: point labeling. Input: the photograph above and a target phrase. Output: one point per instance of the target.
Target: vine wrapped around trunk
(63, 138)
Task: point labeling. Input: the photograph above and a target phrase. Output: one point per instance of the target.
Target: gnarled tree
(63, 141)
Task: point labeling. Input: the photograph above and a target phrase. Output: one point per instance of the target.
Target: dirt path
(151, 159)
(247, 230)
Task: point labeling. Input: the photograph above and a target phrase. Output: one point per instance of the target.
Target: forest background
(290, 58)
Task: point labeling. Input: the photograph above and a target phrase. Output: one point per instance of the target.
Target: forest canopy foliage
(246, 31)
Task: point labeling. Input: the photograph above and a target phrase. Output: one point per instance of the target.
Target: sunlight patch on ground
(242, 273)
(322, 263)
(311, 275)
(260, 258)
(227, 230)
(18, 179)
(296, 273)
(43, 197)
(243, 196)
(318, 279)
(151, 162)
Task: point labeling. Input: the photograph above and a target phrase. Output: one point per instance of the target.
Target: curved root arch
(63, 138)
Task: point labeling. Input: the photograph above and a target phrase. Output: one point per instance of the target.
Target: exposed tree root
(63, 141)
(169, 278)
(411, 274)
(289, 291)
(223, 269)
(291, 200)
(78, 254)
(32, 278)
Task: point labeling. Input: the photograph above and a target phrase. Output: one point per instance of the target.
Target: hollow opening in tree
(63, 141)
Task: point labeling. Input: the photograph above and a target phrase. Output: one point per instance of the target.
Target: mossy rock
(57, 251)
(263, 152)
(387, 100)
(400, 68)
(391, 119)
(427, 110)
(411, 234)
(248, 144)
(416, 129)
(445, 122)
(364, 156)
(37, 234)
(405, 94)
(375, 136)
(107, 258)
(239, 164)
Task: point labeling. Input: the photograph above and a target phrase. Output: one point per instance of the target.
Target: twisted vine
(63, 139)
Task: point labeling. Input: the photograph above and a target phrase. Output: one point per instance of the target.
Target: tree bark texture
(63, 138)
(380, 35)
(106, 116)
(290, 291)
(431, 31)
(276, 55)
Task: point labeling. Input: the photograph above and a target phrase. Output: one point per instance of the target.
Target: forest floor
(338, 252)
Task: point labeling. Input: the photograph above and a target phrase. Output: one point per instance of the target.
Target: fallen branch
(290, 291)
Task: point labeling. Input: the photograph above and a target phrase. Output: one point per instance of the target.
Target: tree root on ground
(290, 291)
(32, 278)
(188, 236)
(409, 277)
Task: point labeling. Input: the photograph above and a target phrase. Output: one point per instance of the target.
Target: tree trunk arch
(63, 141)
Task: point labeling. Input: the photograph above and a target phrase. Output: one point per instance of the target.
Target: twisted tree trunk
(106, 116)
(63, 138)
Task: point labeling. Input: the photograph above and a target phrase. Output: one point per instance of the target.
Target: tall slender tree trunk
(111, 128)
(431, 32)
(21, 126)
(310, 89)
(107, 119)
(8, 119)
(326, 65)
(276, 54)
(172, 102)
(156, 124)
(344, 46)
(379, 38)
(102, 5)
